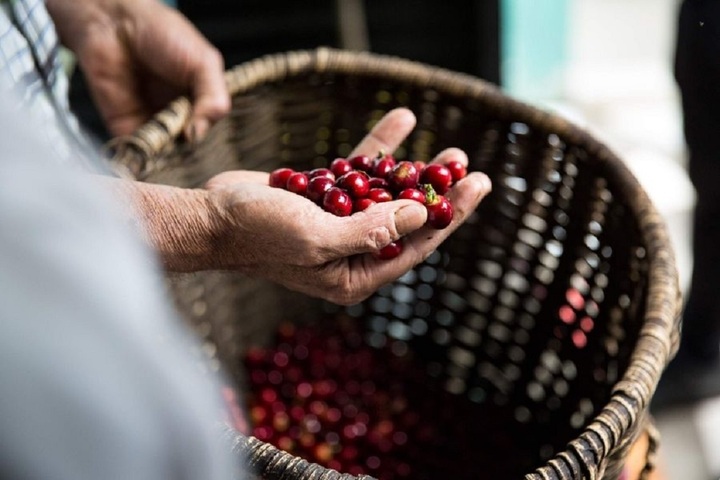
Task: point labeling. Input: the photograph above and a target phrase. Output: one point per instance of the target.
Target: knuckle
(346, 294)
(378, 238)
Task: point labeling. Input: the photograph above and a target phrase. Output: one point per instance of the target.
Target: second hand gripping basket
(554, 309)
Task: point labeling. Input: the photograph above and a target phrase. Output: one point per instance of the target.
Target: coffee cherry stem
(431, 196)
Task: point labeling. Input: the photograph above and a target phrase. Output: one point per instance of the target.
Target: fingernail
(410, 218)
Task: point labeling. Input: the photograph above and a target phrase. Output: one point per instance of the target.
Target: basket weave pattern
(556, 303)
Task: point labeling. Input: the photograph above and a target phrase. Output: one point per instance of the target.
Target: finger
(387, 134)
(111, 80)
(233, 177)
(211, 100)
(373, 228)
(122, 111)
(451, 154)
(417, 246)
(327, 281)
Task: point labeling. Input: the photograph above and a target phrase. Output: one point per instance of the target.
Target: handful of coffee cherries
(353, 184)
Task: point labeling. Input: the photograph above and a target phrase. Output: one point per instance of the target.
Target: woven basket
(557, 302)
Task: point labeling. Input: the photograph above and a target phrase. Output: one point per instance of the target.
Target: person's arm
(137, 56)
(183, 226)
(97, 371)
(239, 222)
(131, 50)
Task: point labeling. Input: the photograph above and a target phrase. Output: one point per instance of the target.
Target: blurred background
(608, 66)
(604, 64)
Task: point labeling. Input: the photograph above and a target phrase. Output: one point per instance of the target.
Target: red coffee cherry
(439, 208)
(379, 195)
(390, 251)
(318, 187)
(383, 166)
(279, 177)
(340, 166)
(321, 172)
(457, 169)
(355, 182)
(412, 194)
(337, 202)
(297, 183)
(376, 182)
(403, 175)
(438, 176)
(362, 203)
(362, 162)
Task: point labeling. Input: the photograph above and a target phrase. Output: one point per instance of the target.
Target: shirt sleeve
(96, 376)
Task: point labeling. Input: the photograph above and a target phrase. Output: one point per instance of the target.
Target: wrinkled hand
(137, 56)
(288, 239)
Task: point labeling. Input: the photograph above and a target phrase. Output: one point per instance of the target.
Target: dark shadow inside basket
(530, 311)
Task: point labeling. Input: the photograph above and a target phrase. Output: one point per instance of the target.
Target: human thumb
(378, 225)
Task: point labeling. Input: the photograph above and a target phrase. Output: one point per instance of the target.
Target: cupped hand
(288, 239)
(137, 56)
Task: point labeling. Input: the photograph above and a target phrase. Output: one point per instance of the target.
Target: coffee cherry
(362, 203)
(383, 166)
(279, 177)
(318, 187)
(337, 202)
(438, 176)
(361, 162)
(439, 209)
(340, 166)
(321, 172)
(379, 195)
(412, 194)
(403, 175)
(376, 182)
(367, 412)
(355, 183)
(390, 251)
(440, 214)
(457, 169)
(297, 183)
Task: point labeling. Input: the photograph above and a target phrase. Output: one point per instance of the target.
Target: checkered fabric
(30, 66)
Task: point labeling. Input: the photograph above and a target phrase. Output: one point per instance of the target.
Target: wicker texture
(556, 304)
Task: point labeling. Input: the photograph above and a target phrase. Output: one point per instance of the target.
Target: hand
(288, 239)
(138, 55)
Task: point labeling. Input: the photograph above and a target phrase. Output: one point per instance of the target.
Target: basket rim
(659, 335)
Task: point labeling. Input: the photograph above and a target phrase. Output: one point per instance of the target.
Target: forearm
(184, 226)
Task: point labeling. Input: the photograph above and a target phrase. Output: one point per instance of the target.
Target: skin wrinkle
(379, 238)
(254, 239)
(95, 55)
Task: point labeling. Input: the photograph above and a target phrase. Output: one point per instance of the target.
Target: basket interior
(531, 310)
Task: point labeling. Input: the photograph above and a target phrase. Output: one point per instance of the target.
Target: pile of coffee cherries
(323, 394)
(353, 184)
